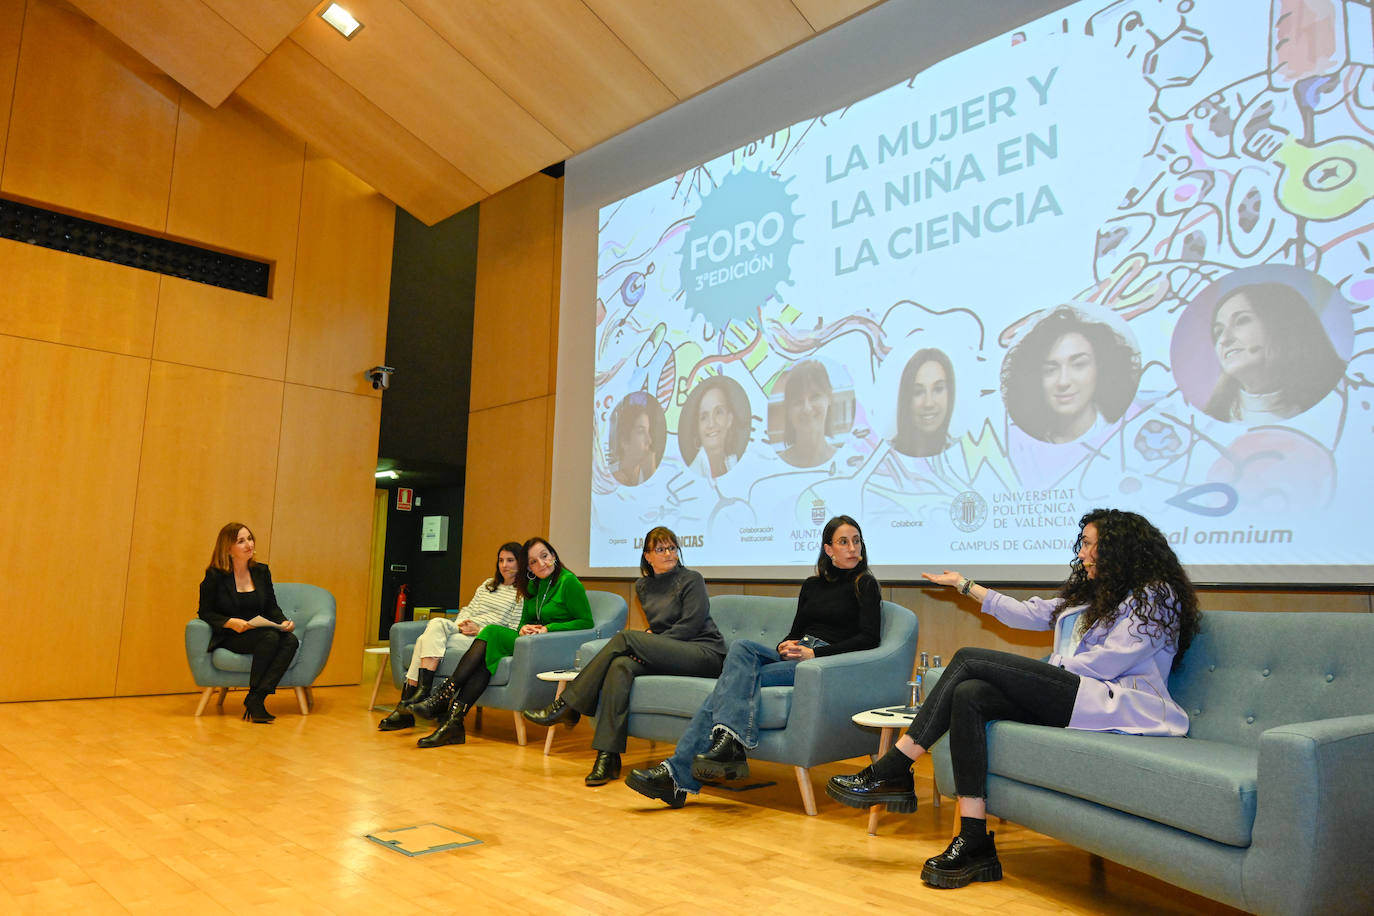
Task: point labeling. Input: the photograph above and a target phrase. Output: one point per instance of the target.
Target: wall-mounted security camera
(380, 377)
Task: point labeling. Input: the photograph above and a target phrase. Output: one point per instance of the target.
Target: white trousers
(440, 637)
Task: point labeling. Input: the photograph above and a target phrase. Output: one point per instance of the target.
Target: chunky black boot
(437, 703)
(400, 718)
(963, 862)
(554, 713)
(452, 731)
(866, 788)
(657, 782)
(725, 760)
(423, 689)
(606, 769)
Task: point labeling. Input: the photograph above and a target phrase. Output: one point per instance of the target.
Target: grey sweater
(676, 605)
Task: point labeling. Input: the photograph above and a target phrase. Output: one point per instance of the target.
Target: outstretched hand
(948, 577)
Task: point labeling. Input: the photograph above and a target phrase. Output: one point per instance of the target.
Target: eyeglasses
(664, 550)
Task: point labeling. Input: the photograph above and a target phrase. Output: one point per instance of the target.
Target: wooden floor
(134, 805)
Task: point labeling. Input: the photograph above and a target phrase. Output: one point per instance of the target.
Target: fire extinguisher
(401, 603)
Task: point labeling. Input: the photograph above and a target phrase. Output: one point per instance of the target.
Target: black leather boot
(866, 788)
(964, 861)
(657, 782)
(437, 703)
(452, 731)
(725, 760)
(554, 713)
(605, 769)
(400, 718)
(423, 689)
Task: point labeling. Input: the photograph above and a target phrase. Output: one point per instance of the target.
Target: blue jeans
(733, 705)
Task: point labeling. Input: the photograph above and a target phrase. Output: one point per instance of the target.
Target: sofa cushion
(1204, 787)
(666, 695)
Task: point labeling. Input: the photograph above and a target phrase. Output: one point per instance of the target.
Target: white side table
(561, 678)
(888, 720)
(385, 653)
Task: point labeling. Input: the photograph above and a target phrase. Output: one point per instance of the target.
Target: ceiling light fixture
(342, 20)
(392, 474)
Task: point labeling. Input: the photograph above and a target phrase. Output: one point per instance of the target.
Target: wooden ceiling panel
(266, 23)
(556, 59)
(405, 68)
(822, 14)
(185, 39)
(301, 94)
(692, 46)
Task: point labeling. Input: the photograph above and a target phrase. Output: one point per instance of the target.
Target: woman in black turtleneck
(838, 611)
(682, 639)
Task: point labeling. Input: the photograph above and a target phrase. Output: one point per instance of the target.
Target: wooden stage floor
(134, 805)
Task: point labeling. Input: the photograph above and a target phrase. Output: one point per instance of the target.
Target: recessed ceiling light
(389, 474)
(342, 20)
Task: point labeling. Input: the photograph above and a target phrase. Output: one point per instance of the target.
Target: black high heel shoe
(254, 711)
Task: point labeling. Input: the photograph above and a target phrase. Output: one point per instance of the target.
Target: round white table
(888, 719)
(385, 653)
(561, 677)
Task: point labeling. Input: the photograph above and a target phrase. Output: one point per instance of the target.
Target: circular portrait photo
(714, 426)
(1073, 370)
(811, 405)
(925, 404)
(639, 433)
(1262, 344)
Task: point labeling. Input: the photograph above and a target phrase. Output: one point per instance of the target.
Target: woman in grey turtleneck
(681, 639)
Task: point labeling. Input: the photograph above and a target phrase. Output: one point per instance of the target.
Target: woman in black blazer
(236, 591)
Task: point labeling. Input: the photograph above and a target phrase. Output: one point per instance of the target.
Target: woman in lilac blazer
(1121, 621)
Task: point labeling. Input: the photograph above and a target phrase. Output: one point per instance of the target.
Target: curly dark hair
(1136, 569)
(1117, 361)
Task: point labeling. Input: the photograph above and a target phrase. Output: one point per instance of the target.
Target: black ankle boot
(254, 710)
(423, 689)
(964, 861)
(399, 718)
(452, 731)
(726, 760)
(606, 769)
(437, 703)
(554, 713)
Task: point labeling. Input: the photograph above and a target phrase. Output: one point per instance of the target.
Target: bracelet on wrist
(965, 585)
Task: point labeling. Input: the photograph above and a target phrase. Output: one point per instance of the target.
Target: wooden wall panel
(343, 280)
(822, 14)
(217, 328)
(236, 185)
(516, 289)
(209, 457)
(506, 489)
(11, 27)
(321, 526)
(92, 125)
(71, 420)
(65, 298)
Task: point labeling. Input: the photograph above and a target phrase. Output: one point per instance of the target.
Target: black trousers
(603, 687)
(272, 651)
(981, 686)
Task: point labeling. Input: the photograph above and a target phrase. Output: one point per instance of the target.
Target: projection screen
(966, 271)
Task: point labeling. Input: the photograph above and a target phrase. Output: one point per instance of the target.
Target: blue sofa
(312, 609)
(803, 725)
(1266, 805)
(515, 685)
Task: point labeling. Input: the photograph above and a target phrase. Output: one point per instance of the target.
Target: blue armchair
(515, 686)
(312, 609)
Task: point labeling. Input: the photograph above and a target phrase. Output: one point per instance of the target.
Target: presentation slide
(1118, 256)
